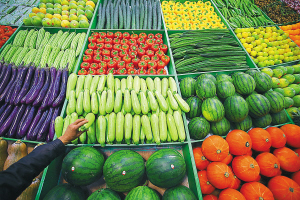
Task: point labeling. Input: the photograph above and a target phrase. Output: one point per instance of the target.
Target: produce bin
(53, 176)
(11, 37)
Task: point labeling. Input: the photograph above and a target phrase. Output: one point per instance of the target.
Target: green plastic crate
(10, 38)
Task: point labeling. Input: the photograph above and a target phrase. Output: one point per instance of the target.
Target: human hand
(72, 131)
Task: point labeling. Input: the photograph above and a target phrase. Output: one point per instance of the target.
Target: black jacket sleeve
(19, 176)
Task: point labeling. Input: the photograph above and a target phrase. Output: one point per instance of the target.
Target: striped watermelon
(279, 90)
(142, 192)
(276, 101)
(187, 87)
(65, 191)
(166, 168)
(279, 118)
(236, 108)
(263, 82)
(251, 72)
(225, 89)
(244, 125)
(207, 76)
(296, 100)
(82, 166)
(258, 105)
(212, 110)
(236, 74)
(195, 107)
(224, 77)
(205, 89)
(124, 170)
(244, 84)
(288, 102)
(198, 128)
(179, 193)
(262, 122)
(104, 194)
(220, 128)
(293, 111)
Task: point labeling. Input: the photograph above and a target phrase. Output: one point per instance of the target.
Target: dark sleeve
(19, 176)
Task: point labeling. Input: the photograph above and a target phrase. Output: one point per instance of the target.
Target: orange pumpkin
(261, 139)
(245, 168)
(206, 187)
(239, 142)
(292, 133)
(210, 197)
(219, 175)
(215, 148)
(231, 194)
(288, 159)
(249, 153)
(268, 163)
(277, 136)
(200, 160)
(228, 159)
(296, 177)
(279, 173)
(257, 179)
(235, 183)
(297, 151)
(256, 190)
(284, 188)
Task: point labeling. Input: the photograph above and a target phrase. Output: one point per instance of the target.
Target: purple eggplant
(10, 83)
(55, 89)
(38, 87)
(19, 85)
(33, 124)
(63, 89)
(32, 85)
(3, 107)
(49, 93)
(44, 90)
(5, 79)
(26, 85)
(39, 125)
(43, 130)
(6, 124)
(14, 126)
(12, 88)
(24, 117)
(3, 71)
(51, 133)
(1, 67)
(6, 113)
(27, 122)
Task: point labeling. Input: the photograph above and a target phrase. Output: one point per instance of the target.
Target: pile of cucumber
(132, 110)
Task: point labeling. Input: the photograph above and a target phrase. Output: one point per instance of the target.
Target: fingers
(78, 121)
(84, 121)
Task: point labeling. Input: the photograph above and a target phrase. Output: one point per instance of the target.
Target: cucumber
(72, 102)
(153, 102)
(58, 126)
(164, 87)
(137, 15)
(119, 128)
(108, 16)
(162, 126)
(127, 101)
(110, 82)
(121, 18)
(158, 15)
(155, 128)
(128, 127)
(117, 84)
(147, 127)
(101, 83)
(143, 85)
(179, 125)
(101, 130)
(94, 84)
(116, 16)
(145, 24)
(136, 84)
(149, 15)
(88, 82)
(111, 128)
(123, 85)
(142, 15)
(136, 129)
(172, 101)
(182, 104)
(94, 103)
(80, 85)
(144, 103)
(172, 84)
(118, 101)
(91, 133)
(150, 84)
(129, 82)
(133, 25)
(135, 103)
(142, 136)
(111, 15)
(110, 101)
(128, 17)
(157, 84)
(86, 101)
(172, 127)
(79, 103)
(102, 103)
(154, 16)
(66, 124)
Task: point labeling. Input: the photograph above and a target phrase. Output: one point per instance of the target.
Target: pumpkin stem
(291, 189)
(275, 166)
(267, 140)
(260, 198)
(251, 166)
(203, 158)
(283, 135)
(218, 151)
(226, 174)
(207, 182)
(247, 144)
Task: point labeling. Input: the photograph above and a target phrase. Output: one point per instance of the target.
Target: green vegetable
(110, 101)
(101, 130)
(90, 117)
(162, 126)
(135, 103)
(91, 133)
(94, 84)
(128, 127)
(86, 101)
(79, 85)
(79, 103)
(58, 126)
(155, 128)
(146, 127)
(118, 101)
(120, 127)
(111, 128)
(127, 101)
(101, 83)
(172, 127)
(153, 102)
(94, 103)
(136, 129)
(72, 80)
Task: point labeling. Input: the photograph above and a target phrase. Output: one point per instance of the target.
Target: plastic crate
(11, 37)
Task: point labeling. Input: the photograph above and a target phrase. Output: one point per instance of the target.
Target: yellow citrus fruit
(43, 10)
(35, 10)
(32, 14)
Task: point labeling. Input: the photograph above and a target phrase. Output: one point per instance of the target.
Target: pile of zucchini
(206, 50)
(129, 14)
(129, 111)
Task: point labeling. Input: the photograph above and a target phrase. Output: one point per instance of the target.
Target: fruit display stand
(11, 38)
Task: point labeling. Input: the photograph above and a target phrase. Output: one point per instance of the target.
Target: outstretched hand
(72, 131)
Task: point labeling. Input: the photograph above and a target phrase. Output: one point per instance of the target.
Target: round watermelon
(225, 89)
(220, 128)
(244, 84)
(263, 82)
(213, 110)
(262, 122)
(279, 90)
(187, 87)
(244, 125)
(205, 89)
(276, 101)
(179, 193)
(296, 100)
(279, 118)
(236, 74)
(258, 105)
(251, 72)
(166, 168)
(224, 77)
(297, 78)
(198, 128)
(290, 69)
(195, 107)
(82, 166)
(288, 102)
(104, 194)
(65, 192)
(124, 170)
(293, 111)
(142, 192)
(207, 76)
(236, 108)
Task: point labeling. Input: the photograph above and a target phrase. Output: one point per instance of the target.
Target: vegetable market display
(62, 13)
(294, 4)
(129, 14)
(5, 32)
(260, 164)
(124, 53)
(190, 15)
(294, 32)
(241, 14)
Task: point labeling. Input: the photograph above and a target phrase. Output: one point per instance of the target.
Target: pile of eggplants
(30, 100)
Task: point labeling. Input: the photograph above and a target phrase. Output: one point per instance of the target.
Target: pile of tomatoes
(5, 33)
(122, 53)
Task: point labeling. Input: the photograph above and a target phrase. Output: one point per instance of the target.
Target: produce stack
(260, 164)
(43, 48)
(130, 110)
(5, 32)
(294, 32)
